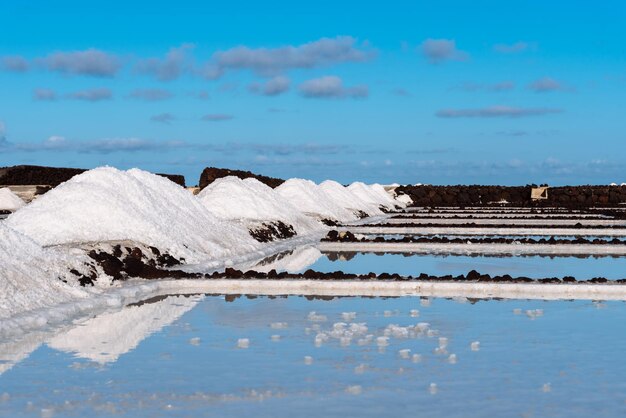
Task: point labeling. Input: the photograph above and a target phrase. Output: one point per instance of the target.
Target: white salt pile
(374, 194)
(107, 204)
(250, 201)
(311, 200)
(30, 276)
(9, 200)
(348, 200)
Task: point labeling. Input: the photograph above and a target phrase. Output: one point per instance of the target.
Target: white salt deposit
(107, 204)
(308, 360)
(416, 358)
(243, 343)
(9, 200)
(404, 353)
(345, 198)
(30, 276)
(374, 194)
(475, 346)
(311, 200)
(250, 201)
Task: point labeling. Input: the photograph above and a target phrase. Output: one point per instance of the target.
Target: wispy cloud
(14, 63)
(217, 117)
(272, 87)
(548, 84)
(176, 61)
(90, 62)
(166, 118)
(331, 87)
(495, 87)
(401, 92)
(92, 95)
(99, 146)
(275, 61)
(44, 95)
(441, 50)
(151, 95)
(512, 48)
(495, 112)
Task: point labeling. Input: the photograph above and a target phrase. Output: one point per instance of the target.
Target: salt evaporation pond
(559, 359)
(414, 264)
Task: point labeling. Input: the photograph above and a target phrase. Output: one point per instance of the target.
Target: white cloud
(331, 87)
(176, 61)
(272, 87)
(495, 112)
(91, 62)
(441, 50)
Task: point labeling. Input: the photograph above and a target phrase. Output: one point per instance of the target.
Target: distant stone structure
(539, 193)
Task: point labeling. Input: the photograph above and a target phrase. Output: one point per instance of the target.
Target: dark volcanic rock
(210, 174)
(30, 175)
(270, 231)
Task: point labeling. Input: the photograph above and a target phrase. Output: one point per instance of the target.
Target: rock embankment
(476, 195)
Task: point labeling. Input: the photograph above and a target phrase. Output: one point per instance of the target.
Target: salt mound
(311, 200)
(345, 198)
(30, 276)
(372, 194)
(231, 198)
(107, 204)
(9, 200)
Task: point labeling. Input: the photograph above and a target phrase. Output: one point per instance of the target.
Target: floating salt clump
(278, 325)
(404, 353)
(365, 341)
(534, 313)
(348, 316)
(308, 360)
(354, 390)
(382, 341)
(443, 342)
(422, 326)
(396, 331)
(425, 302)
(47, 413)
(432, 333)
(547, 387)
(387, 313)
(433, 388)
(360, 369)
(452, 359)
(275, 337)
(345, 341)
(440, 351)
(194, 341)
(314, 317)
(416, 358)
(414, 313)
(243, 343)
(475, 346)
(517, 311)
(320, 338)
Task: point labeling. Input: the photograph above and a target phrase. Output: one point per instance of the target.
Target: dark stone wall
(27, 175)
(210, 174)
(475, 195)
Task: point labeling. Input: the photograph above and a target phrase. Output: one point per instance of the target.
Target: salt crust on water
(9, 200)
(41, 242)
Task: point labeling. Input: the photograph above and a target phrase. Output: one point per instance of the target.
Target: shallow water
(566, 362)
(529, 266)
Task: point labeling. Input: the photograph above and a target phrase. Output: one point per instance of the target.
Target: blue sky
(440, 92)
